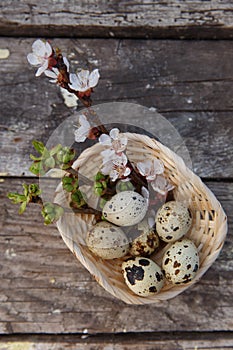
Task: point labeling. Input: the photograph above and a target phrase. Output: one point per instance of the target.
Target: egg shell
(173, 220)
(107, 241)
(145, 244)
(125, 208)
(181, 262)
(143, 276)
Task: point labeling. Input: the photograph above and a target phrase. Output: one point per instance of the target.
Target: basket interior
(207, 232)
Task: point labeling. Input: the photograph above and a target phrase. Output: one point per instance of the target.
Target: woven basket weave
(208, 230)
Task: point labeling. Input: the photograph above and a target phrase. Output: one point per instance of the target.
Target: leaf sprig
(57, 157)
(30, 194)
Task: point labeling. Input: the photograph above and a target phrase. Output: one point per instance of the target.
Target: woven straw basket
(208, 229)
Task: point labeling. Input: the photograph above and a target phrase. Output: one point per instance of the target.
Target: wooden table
(148, 53)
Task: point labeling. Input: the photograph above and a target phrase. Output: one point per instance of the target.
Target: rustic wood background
(47, 299)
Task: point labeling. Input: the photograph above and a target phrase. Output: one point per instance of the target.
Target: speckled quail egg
(181, 261)
(145, 244)
(107, 241)
(173, 220)
(143, 276)
(125, 208)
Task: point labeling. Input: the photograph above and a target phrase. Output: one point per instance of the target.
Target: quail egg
(107, 241)
(181, 262)
(173, 220)
(143, 276)
(125, 208)
(146, 243)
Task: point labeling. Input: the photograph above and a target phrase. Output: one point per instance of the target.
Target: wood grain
(132, 341)
(189, 82)
(163, 19)
(45, 290)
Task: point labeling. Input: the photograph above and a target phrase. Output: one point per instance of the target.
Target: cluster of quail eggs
(108, 240)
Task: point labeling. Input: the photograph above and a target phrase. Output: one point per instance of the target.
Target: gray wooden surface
(47, 299)
(141, 18)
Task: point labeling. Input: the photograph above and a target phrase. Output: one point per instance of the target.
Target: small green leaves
(31, 193)
(125, 186)
(51, 212)
(77, 199)
(100, 184)
(58, 156)
(70, 183)
(64, 157)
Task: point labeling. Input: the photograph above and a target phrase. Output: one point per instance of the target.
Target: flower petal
(84, 122)
(127, 171)
(94, 78)
(143, 167)
(33, 59)
(158, 166)
(107, 167)
(74, 82)
(48, 49)
(39, 47)
(114, 133)
(105, 140)
(80, 134)
(66, 62)
(114, 175)
(83, 75)
(42, 69)
(145, 193)
(108, 155)
(50, 74)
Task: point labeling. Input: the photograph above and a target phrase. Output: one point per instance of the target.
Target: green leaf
(36, 168)
(99, 176)
(34, 190)
(98, 191)
(35, 158)
(51, 212)
(49, 162)
(68, 187)
(26, 190)
(77, 199)
(16, 198)
(67, 180)
(39, 146)
(22, 207)
(55, 149)
(98, 185)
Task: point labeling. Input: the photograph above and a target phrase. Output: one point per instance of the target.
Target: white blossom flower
(83, 130)
(115, 140)
(150, 168)
(161, 185)
(84, 80)
(53, 74)
(116, 167)
(41, 52)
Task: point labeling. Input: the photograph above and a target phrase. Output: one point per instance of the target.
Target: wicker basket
(208, 230)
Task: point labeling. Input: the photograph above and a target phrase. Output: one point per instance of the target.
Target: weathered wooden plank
(132, 341)
(188, 82)
(163, 19)
(45, 290)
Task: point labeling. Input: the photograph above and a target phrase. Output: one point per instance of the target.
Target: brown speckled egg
(181, 262)
(107, 241)
(125, 208)
(143, 276)
(173, 220)
(145, 244)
